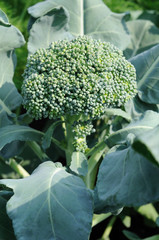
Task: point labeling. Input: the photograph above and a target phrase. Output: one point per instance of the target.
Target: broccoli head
(79, 77)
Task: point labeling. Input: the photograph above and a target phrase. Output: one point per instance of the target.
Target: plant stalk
(69, 139)
(37, 150)
(18, 168)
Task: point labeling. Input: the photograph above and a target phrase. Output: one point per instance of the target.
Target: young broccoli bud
(81, 130)
(79, 77)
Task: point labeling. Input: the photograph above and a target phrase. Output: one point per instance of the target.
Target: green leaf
(127, 221)
(50, 204)
(9, 96)
(48, 28)
(10, 99)
(131, 235)
(147, 145)
(146, 122)
(149, 212)
(3, 19)
(151, 15)
(118, 112)
(135, 108)
(89, 17)
(144, 35)
(79, 163)
(6, 230)
(46, 141)
(12, 133)
(12, 149)
(126, 178)
(147, 70)
(155, 237)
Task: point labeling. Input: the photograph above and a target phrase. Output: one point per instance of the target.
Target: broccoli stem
(69, 139)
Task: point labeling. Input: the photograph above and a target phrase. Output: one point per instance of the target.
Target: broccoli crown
(82, 76)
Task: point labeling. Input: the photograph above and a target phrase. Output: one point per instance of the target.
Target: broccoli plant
(79, 141)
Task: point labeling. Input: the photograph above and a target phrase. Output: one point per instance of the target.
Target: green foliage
(106, 147)
(49, 206)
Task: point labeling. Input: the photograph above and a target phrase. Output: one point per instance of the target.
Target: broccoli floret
(81, 77)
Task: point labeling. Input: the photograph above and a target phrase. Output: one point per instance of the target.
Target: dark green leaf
(126, 178)
(79, 163)
(131, 235)
(50, 204)
(46, 141)
(89, 17)
(147, 70)
(6, 230)
(12, 149)
(12, 133)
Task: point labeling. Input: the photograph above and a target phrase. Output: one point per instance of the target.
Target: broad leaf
(6, 230)
(151, 15)
(50, 204)
(48, 28)
(135, 108)
(117, 112)
(126, 178)
(12, 149)
(144, 35)
(79, 163)
(146, 122)
(10, 38)
(90, 17)
(12, 133)
(147, 144)
(147, 70)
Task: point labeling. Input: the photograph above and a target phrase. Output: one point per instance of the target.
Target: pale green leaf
(79, 163)
(50, 204)
(3, 19)
(146, 122)
(136, 107)
(48, 28)
(147, 144)
(144, 35)
(117, 112)
(149, 212)
(89, 17)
